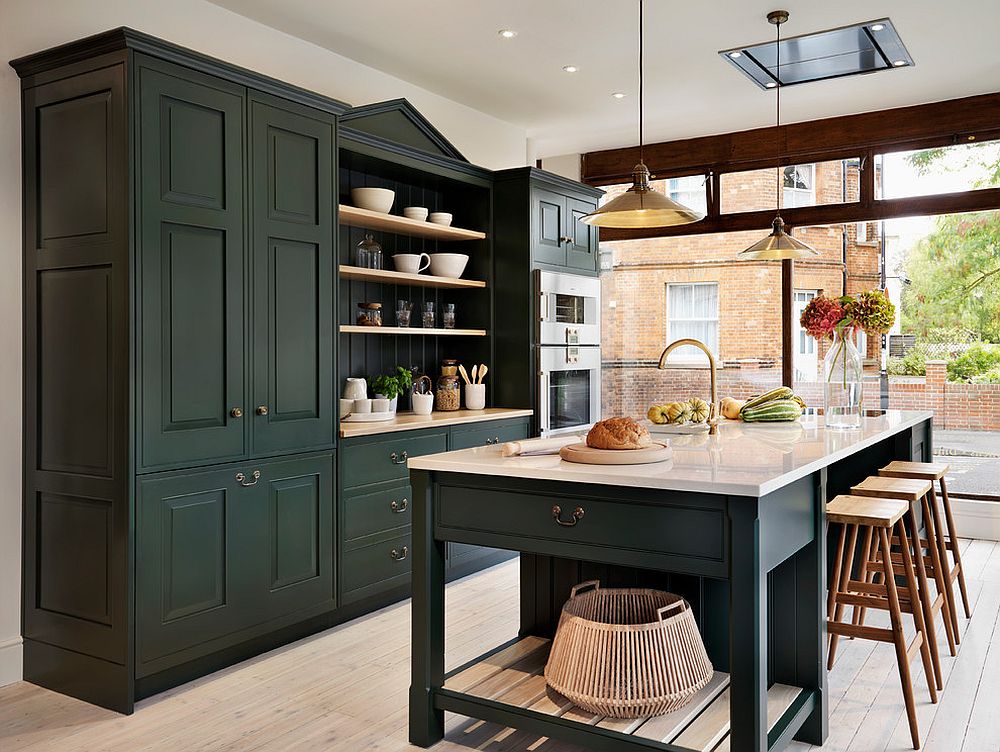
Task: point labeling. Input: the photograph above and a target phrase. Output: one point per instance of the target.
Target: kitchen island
(734, 523)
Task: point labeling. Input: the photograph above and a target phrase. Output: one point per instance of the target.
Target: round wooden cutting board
(586, 455)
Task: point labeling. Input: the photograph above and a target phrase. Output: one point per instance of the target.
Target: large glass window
(946, 169)
(834, 182)
(693, 312)
(689, 191)
(799, 183)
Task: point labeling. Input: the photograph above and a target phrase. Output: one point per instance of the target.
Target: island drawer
(376, 568)
(376, 511)
(377, 461)
(679, 529)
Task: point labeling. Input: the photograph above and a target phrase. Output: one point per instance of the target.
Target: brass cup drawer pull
(242, 479)
(398, 507)
(400, 554)
(399, 459)
(577, 516)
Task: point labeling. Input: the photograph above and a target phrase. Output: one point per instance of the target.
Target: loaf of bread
(618, 433)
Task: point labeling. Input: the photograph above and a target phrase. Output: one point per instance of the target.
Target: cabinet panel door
(192, 269)
(548, 221)
(297, 502)
(191, 551)
(292, 169)
(581, 250)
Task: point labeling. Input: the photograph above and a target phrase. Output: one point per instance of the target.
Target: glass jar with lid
(368, 253)
(448, 393)
(369, 314)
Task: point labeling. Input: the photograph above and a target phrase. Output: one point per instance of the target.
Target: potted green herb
(390, 386)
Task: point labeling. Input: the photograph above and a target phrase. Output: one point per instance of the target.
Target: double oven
(568, 351)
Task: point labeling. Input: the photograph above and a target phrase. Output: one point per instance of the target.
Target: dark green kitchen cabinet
(548, 220)
(581, 239)
(558, 237)
(292, 174)
(192, 260)
(225, 549)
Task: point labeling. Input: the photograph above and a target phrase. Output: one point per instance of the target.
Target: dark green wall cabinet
(559, 238)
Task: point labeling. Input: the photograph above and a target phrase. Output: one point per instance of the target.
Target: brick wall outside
(631, 389)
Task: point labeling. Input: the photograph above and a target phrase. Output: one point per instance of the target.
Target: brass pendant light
(779, 244)
(640, 205)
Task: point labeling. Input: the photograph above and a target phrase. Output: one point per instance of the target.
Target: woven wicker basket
(627, 653)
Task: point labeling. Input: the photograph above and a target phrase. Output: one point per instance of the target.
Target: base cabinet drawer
(376, 568)
(497, 433)
(367, 514)
(385, 460)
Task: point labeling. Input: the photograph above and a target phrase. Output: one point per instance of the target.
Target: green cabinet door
(291, 179)
(581, 246)
(191, 260)
(297, 503)
(548, 224)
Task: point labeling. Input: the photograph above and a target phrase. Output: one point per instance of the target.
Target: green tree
(955, 271)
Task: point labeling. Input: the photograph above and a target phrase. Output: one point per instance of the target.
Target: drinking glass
(448, 316)
(428, 316)
(403, 310)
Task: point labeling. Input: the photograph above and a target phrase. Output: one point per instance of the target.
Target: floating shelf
(514, 676)
(405, 278)
(373, 220)
(353, 329)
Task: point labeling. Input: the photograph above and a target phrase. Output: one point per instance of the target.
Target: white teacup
(423, 404)
(380, 405)
(346, 407)
(362, 406)
(418, 213)
(475, 396)
(440, 218)
(411, 263)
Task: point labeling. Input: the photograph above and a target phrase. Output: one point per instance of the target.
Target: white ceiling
(451, 47)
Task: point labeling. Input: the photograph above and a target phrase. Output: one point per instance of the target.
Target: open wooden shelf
(514, 676)
(354, 329)
(373, 220)
(405, 278)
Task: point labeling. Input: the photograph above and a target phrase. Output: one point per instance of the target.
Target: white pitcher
(355, 389)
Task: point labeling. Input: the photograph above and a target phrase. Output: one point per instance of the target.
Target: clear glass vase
(843, 372)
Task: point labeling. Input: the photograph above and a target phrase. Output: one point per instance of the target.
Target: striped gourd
(779, 393)
(775, 410)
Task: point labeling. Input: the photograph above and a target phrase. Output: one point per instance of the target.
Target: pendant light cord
(641, 160)
(777, 115)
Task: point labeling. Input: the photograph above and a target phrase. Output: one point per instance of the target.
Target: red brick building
(659, 290)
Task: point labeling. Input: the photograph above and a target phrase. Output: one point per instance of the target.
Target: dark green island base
(736, 525)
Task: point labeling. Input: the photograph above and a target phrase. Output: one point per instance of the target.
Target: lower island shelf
(513, 677)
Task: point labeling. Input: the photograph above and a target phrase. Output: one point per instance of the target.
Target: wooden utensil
(475, 369)
(483, 368)
(461, 370)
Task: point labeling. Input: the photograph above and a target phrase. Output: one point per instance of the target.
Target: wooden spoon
(483, 368)
(461, 370)
(474, 369)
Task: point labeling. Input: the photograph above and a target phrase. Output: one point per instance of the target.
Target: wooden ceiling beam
(900, 129)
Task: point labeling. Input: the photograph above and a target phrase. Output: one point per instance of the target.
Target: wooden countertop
(412, 422)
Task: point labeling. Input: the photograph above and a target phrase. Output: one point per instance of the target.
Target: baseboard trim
(11, 660)
(977, 519)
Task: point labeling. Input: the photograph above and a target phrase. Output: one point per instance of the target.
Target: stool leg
(924, 597)
(896, 619)
(921, 626)
(866, 553)
(845, 577)
(831, 597)
(935, 542)
(955, 548)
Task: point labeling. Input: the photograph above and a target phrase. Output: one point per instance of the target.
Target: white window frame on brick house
(799, 185)
(689, 191)
(678, 326)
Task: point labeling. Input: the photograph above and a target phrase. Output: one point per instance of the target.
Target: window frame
(792, 196)
(694, 359)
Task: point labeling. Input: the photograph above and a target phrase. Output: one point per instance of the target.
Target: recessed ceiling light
(618, 95)
(877, 27)
(507, 33)
(570, 68)
(735, 55)
(770, 84)
(899, 63)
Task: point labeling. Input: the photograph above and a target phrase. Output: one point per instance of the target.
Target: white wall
(27, 26)
(567, 165)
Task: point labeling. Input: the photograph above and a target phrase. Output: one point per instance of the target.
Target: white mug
(380, 405)
(475, 396)
(355, 389)
(362, 406)
(346, 407)
(411, 263)
(423, 404)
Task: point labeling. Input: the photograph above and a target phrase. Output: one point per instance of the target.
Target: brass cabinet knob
(236, 412)
(262, 410)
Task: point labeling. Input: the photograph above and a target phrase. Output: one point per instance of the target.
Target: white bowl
(448, 264)
(418, 213)
(440, 218)
(373, 199)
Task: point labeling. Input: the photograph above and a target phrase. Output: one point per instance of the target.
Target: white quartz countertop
(743, 459)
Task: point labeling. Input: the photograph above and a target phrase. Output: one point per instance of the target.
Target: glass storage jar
(369, 314)
(368, 253)
(448, 394)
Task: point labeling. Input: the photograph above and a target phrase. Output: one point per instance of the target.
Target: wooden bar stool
(953, 569)
(918, 491)
(881, 518)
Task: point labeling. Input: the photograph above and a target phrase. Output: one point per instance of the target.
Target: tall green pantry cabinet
(180, 427)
